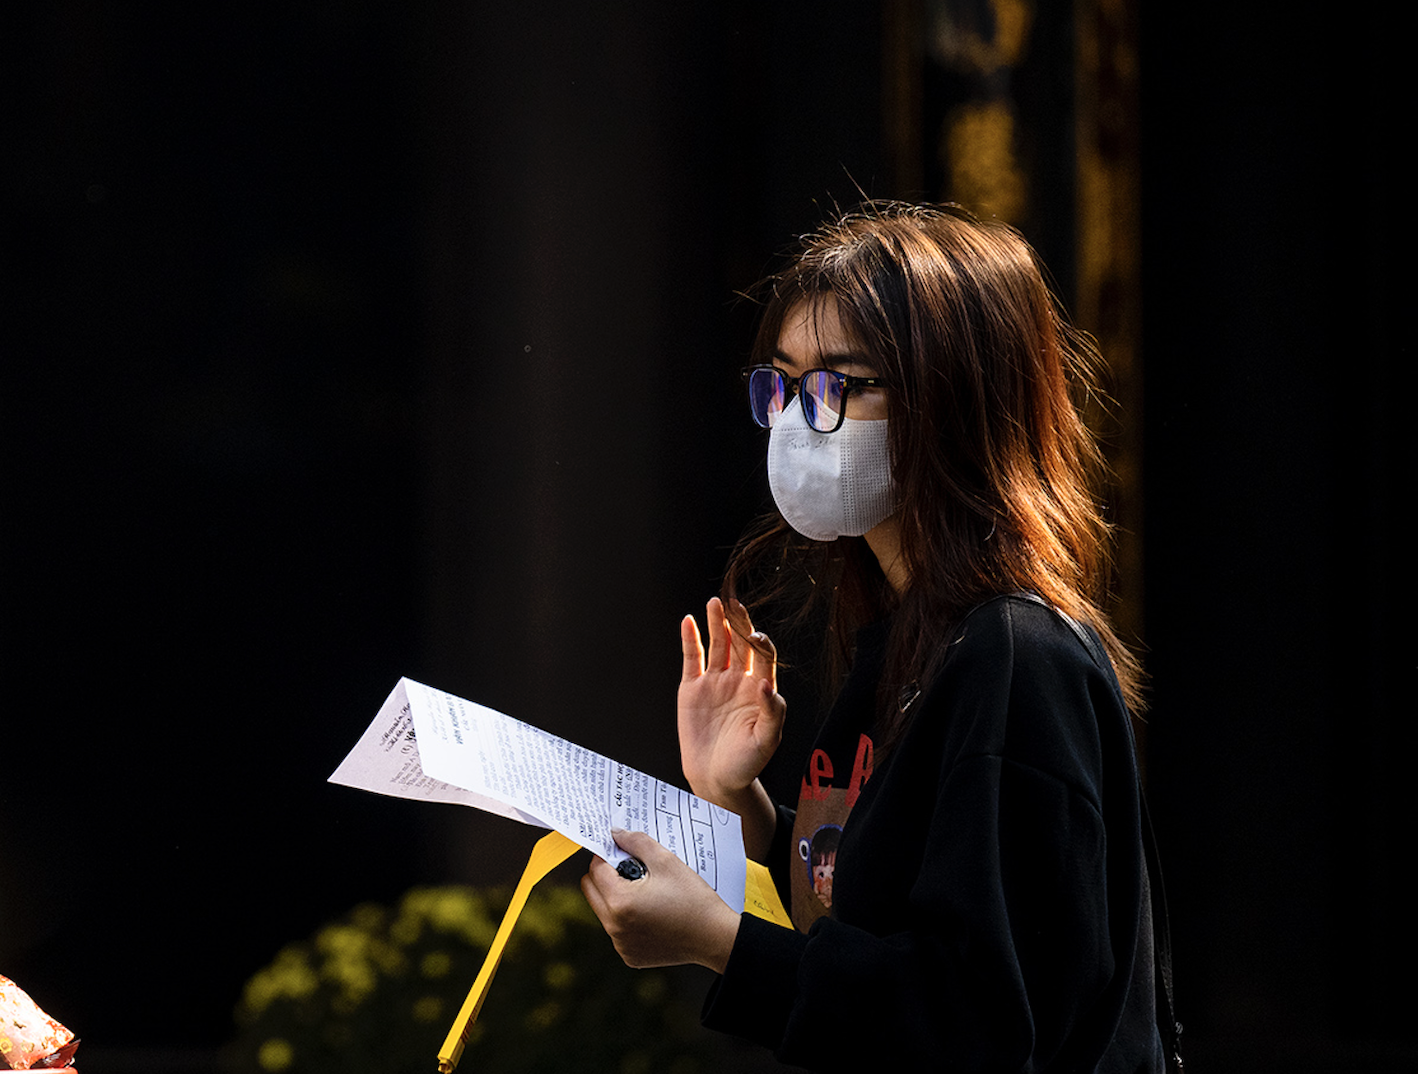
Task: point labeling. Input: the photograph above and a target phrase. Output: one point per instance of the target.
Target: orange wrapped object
(29, 1038)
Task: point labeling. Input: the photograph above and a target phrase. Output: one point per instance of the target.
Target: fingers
(668, 917)
(740, 627)
(592, 892)
(641, 845)
(599, 885)
(692, 647)
(765, 659)
(717, 627)
(738, 617)
(733, 643)
(760, 656)
(612, 897)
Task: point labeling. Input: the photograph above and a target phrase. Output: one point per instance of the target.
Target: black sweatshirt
(988, 892)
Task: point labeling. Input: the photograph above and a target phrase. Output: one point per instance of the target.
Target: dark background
(346, 341)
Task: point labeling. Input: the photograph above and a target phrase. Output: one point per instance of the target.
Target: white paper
(429, 745)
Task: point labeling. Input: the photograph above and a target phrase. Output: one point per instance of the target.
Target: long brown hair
(996, 472)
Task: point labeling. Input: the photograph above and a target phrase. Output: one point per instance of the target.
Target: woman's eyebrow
(825, 361)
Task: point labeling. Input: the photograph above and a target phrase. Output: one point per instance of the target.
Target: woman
(980, 901)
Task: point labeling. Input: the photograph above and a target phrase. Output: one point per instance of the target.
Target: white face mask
(830, 485)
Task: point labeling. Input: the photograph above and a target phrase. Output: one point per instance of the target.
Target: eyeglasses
(823, 392)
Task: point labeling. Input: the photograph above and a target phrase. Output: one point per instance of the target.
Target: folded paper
(429, 745)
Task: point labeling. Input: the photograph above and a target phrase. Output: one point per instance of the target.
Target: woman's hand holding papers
(730, 717)
(730, 723)
(668, 917)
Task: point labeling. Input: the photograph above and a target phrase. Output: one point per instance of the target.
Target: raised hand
(730, 711)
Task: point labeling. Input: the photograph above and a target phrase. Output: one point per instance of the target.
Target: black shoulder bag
(1167, 1024)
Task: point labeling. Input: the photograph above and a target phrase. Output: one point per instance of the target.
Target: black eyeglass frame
(791, 385)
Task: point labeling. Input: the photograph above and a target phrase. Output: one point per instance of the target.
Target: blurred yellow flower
(275, 1055)
(436, 964)
(427, 1008)
(289, 977)
(560, 975)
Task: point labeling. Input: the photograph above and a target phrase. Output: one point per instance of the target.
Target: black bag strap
(1167, 1024)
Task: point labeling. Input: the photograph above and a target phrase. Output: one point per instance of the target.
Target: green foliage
(378, 990)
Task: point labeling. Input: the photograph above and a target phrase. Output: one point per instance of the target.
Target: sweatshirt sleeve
(975, 928)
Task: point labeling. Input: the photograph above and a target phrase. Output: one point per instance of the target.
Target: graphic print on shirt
(829, 791)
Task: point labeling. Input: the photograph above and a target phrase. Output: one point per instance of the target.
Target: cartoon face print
(819, 855)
